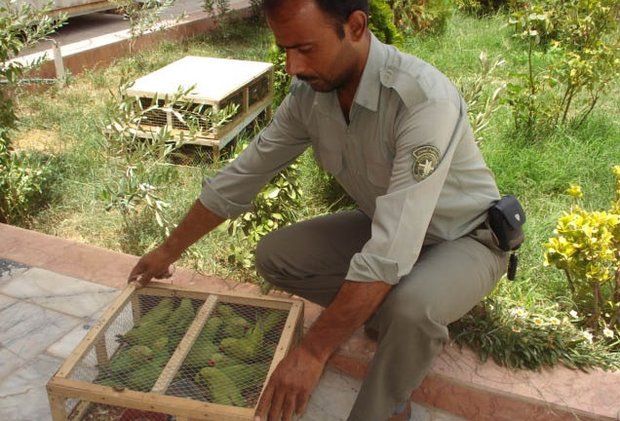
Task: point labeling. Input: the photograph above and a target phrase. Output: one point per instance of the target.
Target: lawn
(65, 126)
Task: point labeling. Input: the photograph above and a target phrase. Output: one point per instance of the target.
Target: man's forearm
(353, 305)
(197, 222)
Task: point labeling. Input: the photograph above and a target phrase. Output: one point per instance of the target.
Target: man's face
(314, 51)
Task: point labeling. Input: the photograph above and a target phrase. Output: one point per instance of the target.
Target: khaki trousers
(310, 259)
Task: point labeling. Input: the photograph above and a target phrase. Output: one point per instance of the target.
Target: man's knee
(265, 256)
(412, 314)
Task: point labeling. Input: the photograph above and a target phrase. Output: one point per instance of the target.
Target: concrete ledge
(103, 50)
(457, 383)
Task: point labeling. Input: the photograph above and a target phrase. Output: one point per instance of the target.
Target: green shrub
(482, 104)
(23, 181)
(530, 338)
(144, 15)
(581, 43)
(140, 168)
(216, 7)
(281, 79)
(421, 16)
(381, 23)
(586, 247)
(487, 7)
(21, 176)
(275, 206)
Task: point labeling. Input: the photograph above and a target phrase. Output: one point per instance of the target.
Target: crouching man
(416, 254)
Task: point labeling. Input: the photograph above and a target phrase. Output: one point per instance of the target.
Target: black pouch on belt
(506, 219)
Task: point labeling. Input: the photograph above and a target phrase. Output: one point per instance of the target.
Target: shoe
(404, 415)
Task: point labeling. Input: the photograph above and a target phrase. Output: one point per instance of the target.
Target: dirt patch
(39, 140)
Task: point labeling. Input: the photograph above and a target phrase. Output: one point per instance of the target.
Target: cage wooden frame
(60, 387)
(249, 108)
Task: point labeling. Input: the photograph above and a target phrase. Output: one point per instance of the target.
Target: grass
(537, 172)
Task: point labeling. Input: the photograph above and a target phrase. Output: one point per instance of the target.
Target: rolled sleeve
(232, 190)
(403, 214)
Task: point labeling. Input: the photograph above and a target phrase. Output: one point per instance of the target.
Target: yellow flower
(554, 321)
(538, 321)
(574, 190)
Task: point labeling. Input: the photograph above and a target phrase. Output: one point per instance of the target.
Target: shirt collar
(369, 88)
(367, 94)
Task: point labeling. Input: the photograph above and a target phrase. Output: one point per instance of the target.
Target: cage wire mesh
(227, 363)
(259, 90)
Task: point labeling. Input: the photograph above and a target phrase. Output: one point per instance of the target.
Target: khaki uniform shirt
(408, 158)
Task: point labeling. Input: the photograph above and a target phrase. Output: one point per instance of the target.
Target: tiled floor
(44, 315)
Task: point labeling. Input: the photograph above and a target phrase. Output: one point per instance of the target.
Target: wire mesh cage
(221, 98)
(171, 350)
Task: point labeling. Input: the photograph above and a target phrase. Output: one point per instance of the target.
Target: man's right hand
(155, 264)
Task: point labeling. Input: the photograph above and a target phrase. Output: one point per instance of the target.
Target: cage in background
(226, 96)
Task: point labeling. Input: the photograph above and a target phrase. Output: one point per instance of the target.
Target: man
(414, 257)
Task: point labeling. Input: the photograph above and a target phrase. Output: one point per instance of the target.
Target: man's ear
(357, 24)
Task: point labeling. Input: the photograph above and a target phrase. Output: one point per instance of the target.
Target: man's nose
(294, 62)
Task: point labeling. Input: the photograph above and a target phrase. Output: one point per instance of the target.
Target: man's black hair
(339, 10)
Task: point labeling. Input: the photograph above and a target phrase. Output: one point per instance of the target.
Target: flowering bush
(534, 337)
(585, 246)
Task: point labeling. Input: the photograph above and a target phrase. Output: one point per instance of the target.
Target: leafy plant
(531, 338)
(586, 247)
(589, 44)
(529, 95)
(583, 39)
(480, 105)
(421, 16)
(21, 177)
(216, 7)
(381, 23)
(281, 79)
(144, 15)
(487, 7)
(139, 167)
(535, 22)
(276, 205)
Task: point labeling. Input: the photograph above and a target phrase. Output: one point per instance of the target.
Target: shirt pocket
(378, 164)
(329, 157)
(379, 174)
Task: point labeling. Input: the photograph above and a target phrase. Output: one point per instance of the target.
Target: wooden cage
(90, 381)
(245, 86)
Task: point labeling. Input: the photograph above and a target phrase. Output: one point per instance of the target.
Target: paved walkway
(43, 317)
(80, 29)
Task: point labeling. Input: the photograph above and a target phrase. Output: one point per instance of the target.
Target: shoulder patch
(425, 160)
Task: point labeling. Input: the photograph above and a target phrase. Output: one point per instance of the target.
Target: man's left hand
(290, 386)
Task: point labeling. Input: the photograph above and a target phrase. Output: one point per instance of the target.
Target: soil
(38, 140)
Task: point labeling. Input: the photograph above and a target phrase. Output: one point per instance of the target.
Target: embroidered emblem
(425, 159)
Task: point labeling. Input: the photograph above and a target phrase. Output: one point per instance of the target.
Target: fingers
(276, 406)
(302, 403)
(288, 407)
(142, 275)
(263, 404)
